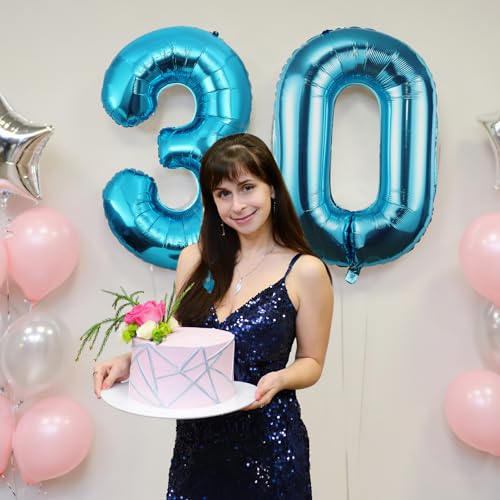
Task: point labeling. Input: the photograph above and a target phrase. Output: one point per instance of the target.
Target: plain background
(400, 335)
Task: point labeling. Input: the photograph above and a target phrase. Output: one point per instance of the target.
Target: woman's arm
(309, 284)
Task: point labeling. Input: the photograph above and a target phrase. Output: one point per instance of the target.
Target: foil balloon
(307, 90)
(219, 83)
(33, 354)
(21, 144)
(491, 123)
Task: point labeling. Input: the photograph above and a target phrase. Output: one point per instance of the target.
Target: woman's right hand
(108, 372)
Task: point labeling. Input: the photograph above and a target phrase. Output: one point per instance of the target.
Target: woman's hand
(269, 385)
(108, 372)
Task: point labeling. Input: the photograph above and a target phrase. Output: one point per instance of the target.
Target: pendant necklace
(239, 283)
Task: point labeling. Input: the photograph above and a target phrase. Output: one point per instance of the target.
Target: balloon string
(153, 283)
(17, 492)
(346, 454)
(31, 304)
(41, 490)
(8, 303)
(363, 384)
(9, 485)
(4, 202)
(5, 312)
(4, 198)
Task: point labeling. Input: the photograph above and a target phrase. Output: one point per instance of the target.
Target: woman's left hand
(269, 385)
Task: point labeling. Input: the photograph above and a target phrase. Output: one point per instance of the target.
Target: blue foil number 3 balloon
(309, 85)
(219, 82)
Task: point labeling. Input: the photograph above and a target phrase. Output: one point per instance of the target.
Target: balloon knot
(352, 275)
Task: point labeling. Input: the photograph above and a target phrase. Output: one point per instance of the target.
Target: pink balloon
(3, 261)
(480, 256)
(42, 251)
(472, 408)
(51, 439)
(7, 424)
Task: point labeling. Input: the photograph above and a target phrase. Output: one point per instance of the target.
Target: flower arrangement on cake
(150, 320)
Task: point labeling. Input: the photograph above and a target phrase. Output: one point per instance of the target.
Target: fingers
(256, 405)
(98, 375)
(263, 396)
(107, 373)
(269, 385)
(104, 378)
(252, 406)
(264, 392)
(112, 377)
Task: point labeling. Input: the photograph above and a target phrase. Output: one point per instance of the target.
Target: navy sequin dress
(255, 455)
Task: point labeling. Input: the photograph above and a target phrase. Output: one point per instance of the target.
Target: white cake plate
(117, 397)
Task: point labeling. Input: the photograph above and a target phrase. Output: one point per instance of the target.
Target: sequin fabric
(252, 455)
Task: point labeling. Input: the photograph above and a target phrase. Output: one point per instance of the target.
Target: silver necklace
(239, 283)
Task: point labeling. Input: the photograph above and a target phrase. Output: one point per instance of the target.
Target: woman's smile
(244, 219)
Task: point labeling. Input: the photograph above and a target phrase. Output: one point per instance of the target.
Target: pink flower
(149, 311)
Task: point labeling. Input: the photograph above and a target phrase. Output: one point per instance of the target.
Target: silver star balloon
(21, 143)
(491, 123)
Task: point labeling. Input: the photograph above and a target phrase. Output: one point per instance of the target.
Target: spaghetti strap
(295, 258)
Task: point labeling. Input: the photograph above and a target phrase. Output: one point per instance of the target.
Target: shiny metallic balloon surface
(218, 80)
(307, 90)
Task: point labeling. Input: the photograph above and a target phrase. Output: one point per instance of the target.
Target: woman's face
(245, 203)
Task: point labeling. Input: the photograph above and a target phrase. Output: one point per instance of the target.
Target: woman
(255, 276)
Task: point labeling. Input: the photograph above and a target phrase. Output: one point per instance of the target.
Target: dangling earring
(274, 206)
(222, 229)
(208, 283)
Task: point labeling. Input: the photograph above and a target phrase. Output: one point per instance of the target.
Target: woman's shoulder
(191, 253)
(309, 269)
(188, 259)
(308, 280)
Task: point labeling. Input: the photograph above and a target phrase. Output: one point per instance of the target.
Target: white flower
(145, 331)
(173, 323)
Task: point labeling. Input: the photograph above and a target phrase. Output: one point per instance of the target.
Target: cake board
(117, 397)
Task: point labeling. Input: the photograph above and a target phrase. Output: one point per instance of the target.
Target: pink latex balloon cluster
(41, 252)
(472, 402)
(50, 439)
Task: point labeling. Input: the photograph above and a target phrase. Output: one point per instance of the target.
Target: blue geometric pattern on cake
(198, 364)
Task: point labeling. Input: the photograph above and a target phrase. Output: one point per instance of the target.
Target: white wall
(399, 336)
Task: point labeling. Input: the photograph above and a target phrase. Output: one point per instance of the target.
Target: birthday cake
(191, 368)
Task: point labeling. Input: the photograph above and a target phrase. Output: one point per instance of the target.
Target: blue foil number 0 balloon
(219, 82)
(307, 89)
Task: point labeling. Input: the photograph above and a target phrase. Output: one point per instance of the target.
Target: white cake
(191, 368)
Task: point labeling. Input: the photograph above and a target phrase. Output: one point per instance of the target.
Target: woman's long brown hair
(227, 159)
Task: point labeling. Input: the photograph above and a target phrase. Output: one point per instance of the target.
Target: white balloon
(33, 354)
